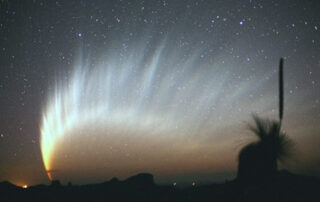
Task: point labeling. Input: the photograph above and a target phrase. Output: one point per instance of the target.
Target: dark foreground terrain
(284, 187)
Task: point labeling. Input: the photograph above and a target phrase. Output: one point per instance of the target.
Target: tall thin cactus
(281, 90)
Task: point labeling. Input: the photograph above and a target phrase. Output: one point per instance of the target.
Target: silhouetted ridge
(7, 185)
(284, 187)
(55, 183)
(143, 179)
(114, 180)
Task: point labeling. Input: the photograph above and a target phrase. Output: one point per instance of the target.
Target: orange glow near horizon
(49, 175)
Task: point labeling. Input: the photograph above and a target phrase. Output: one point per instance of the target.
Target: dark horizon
(284, 186)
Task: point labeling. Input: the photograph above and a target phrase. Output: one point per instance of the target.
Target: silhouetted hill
(8, 186)
(284, 187)
(142, 180)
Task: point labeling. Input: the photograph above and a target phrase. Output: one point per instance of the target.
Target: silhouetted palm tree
(258, 160)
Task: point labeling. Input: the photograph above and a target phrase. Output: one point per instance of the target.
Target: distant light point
(241, 22)
(25, 186)
(79, 35)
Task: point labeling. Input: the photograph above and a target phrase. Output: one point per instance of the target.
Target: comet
(156, 92)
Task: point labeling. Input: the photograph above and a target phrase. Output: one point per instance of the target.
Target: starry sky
(95, 89)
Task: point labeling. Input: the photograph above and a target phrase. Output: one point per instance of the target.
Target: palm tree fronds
(271, 137)
(284, 147)
(259, 128)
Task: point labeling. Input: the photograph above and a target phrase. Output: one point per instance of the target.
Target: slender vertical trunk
(281, 90)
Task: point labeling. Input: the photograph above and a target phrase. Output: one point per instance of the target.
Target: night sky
(95, 89)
